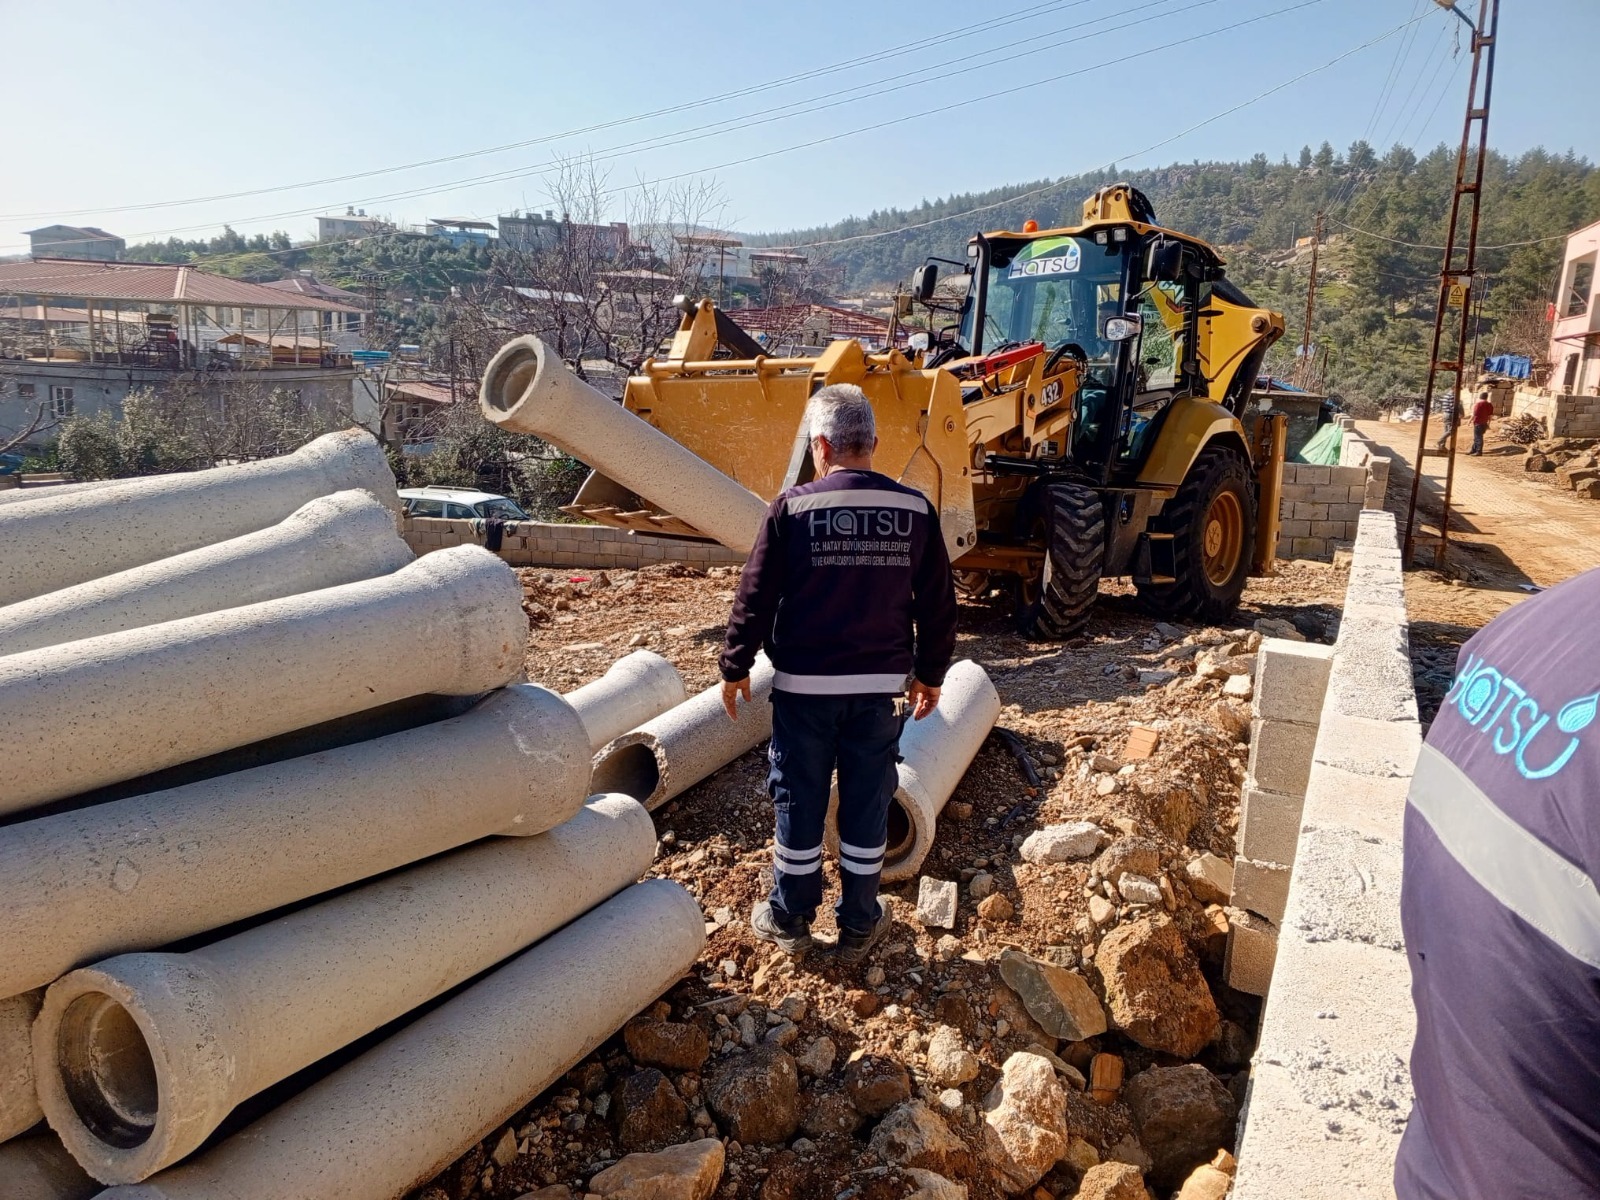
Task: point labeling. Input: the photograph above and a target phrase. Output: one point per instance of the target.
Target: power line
(1557, 237)
(956, 34)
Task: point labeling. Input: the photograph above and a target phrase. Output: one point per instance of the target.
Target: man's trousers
(811, 737)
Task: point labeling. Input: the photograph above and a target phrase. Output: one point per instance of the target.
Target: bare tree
(41, 422)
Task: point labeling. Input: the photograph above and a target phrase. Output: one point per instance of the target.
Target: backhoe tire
(1075, 527)
(1213, 521)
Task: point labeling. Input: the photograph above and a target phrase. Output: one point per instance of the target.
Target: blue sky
(125, 105)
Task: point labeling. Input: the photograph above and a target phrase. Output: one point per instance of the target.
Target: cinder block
(1252, 950)
(1309, 547)
(1261, 887)
(1310, 510)
(1292, 528)
(1356, 496)
(1291, 681)
(1269, 824)
(1349, 476)
(1296, 491)
(1345, 512)
(1280, 755)
(1314, 474)
(1327, 529)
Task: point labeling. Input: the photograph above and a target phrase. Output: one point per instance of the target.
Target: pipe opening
(107, 1071)
(509, 378)
(902, 833)
(631, 770)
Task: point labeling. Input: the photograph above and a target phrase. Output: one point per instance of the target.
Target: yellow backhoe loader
(1084, 413)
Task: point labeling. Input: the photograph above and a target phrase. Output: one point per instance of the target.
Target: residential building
(1575, 332)
(535, 232)
(352, 225)
(799, 325)
(75, 241)
(343, 326)
(460, 231)
(78, 336)
(413, 407)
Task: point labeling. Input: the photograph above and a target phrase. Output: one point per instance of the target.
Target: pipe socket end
(483, 600)
(129, 1072)
(352, 458)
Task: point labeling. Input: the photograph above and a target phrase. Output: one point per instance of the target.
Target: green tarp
(1324, 446)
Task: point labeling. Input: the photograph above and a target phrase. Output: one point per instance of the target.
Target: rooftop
(78, 278)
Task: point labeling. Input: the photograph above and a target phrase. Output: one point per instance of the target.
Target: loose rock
(913, 1135)
(1136, 889)
(1062, 843)
(756, 1096)
(1025, 1125)
(1113, 1181)
(995, 909)
(949, 1061)
(817, 1058)
(1210, 1181)
(647, 1109)
(670, 1045)
(980, 885)
(876, 1084)
(1153, 987)
(1210, 878)
(1129, 856)
(687, 1172)
(1239, 687)
(1061, 1001)
(936, 902)
(831, 1113)
(1183, 1115)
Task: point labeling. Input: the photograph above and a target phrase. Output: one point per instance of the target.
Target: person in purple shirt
(848, 589)
(1501, 915)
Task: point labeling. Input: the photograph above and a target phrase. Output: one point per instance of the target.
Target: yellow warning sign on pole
(1458, 295)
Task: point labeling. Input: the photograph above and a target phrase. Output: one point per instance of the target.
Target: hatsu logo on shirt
(1500, 708)
(859, 522)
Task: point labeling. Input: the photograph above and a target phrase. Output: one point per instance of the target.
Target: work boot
(794, 940)
(852, 947)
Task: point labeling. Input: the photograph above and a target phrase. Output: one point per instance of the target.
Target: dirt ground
(1067, 702)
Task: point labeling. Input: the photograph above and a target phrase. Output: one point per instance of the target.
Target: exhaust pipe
(143, 872)
(154, 697)
(528, 389)
(334, 539)
(935, 753)
(19, 1099)
(403, 1111)
(55, 542)
(634, 689)
(665, 757)
(141, 1057)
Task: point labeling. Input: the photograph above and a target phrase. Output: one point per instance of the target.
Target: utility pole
(1305, 372)
(1456, 275)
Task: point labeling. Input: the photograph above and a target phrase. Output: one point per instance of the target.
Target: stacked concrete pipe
(38, 1167)
(140, 1057)
(528, 389)
(19, 1101)
(331, 540)
(22, 495)
(635, 689)
(62, 540)
(142, 872)
(94, 712)
(666, 756)
(403, 1111)
(935, 753)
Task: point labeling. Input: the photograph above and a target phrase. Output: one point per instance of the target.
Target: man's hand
(922, 698)
(730, 690)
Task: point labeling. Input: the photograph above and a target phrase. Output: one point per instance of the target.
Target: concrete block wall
(547, 544)
(1330, 1090)
(1563, 414)
(1321, 505)
(1286, 710)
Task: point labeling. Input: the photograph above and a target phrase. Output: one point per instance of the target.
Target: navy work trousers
(811, 736)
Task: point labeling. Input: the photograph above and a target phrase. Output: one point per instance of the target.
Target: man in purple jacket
(848, 589)
(1501, 917)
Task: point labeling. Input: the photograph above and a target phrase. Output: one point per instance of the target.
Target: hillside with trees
(1377, 288)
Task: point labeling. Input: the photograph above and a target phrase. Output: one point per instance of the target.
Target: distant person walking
(848, 588)
(1482, 414)
(1501, 918)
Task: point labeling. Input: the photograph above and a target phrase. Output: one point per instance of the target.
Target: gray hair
(842, 413)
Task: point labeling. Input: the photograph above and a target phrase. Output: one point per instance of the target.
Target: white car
(459, 504)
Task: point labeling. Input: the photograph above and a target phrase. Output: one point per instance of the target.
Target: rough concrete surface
(223, 1022)
(637, 688)
(61, 540)
(94, 712)
(527, 389)
(398, 1114)
(335, 539)
(38, 1167)
(138, 873)
(19, 1101)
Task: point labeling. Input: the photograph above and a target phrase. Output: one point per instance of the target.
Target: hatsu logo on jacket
(1500, 708)
(858, 522)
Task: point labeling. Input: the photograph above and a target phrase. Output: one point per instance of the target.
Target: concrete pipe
(403, 1111)
(331, 540)
(935, 753)
(19, 1102)
(142, 872)
(666, 756)
(635, 688)
(57, 542)
(45, 492)
(140, 1057)
(528, 389)
(89, 713)
(39, 1168)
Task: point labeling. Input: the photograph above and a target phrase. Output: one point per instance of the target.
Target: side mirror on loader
(1163, 260)
(923, 280)
(1122, 328)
